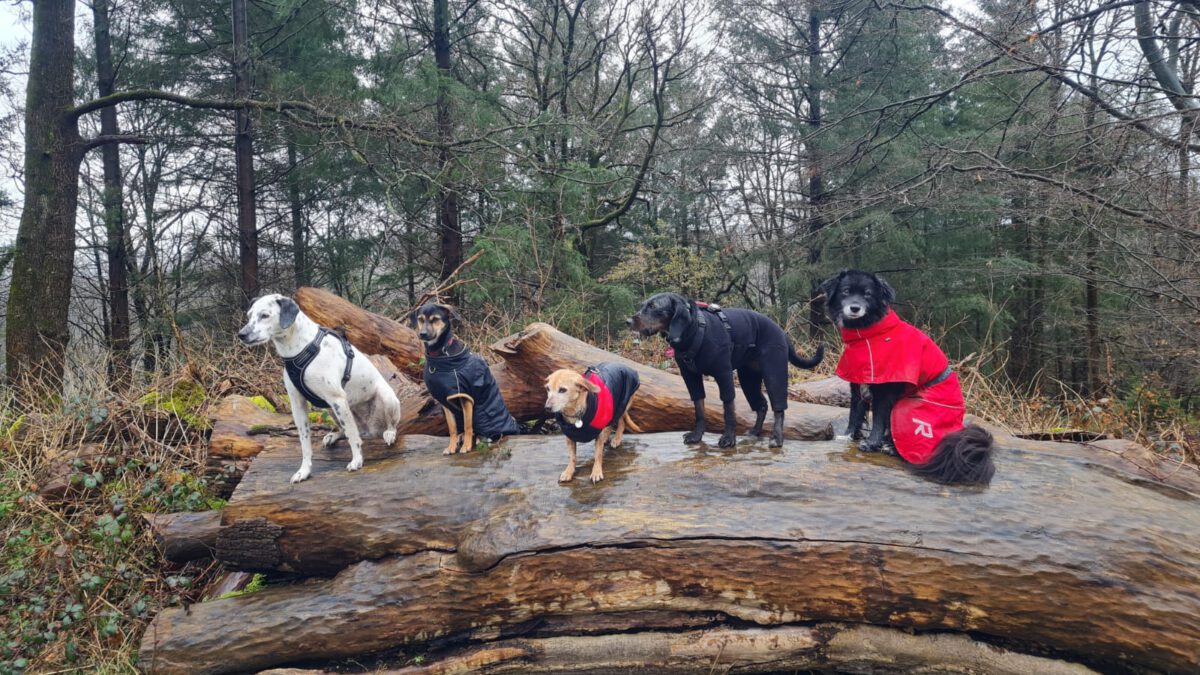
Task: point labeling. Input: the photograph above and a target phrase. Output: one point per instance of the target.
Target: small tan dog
(590, 407)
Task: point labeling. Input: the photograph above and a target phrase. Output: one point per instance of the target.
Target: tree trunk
(449, 225)
(37, 330)
(244, 153)
(299, 231)
(120, 365)
(489, 545)
(816, 178)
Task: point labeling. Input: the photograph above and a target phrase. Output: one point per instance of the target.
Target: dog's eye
(263, 315)
(562, 390)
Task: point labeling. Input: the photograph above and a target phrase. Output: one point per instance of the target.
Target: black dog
(460, 380)
(917, 401)
(710, 341)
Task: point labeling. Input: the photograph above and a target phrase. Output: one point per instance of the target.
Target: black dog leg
(760, 416)
(883, 399)
(697, 433)
(777, 430)
(729, 436)
(858, 412)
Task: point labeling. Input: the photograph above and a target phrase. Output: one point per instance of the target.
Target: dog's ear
(589, 386)
(453, 314)
(680, 319)
(412, 318)
(288, 311)
(829, 286)
(885, 290)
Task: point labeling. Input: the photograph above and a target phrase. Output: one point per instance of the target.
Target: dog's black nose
(855, 308)
(629, 321)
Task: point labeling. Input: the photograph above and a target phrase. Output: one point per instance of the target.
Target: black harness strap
(296, 365)
(701, 323)
(945, 375)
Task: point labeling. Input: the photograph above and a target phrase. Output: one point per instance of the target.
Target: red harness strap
(604, 402)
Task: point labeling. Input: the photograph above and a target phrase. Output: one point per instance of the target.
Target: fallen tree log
(1058, 553)
(838, 647)
(183, 537)
(662, 403)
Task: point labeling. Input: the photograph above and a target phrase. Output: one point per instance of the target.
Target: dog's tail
(630, 425)
(809, 363)
(964, 456)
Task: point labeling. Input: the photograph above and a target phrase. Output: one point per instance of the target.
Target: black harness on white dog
(296, 365)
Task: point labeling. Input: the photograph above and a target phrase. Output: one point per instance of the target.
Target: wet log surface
(1059, 552)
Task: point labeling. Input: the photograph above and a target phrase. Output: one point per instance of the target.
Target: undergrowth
(80, 575)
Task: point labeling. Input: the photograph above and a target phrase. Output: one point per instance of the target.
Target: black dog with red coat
(917, 401)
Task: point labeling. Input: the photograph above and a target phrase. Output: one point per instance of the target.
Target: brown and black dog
(460, 380)
(590, 407)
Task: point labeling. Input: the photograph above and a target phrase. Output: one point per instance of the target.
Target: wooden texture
(1058, 552)
(827, 647)
(183, 537)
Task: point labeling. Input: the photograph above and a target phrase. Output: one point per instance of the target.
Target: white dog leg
(333, 437)
(392, 417)
(345, 418)
(300, 417)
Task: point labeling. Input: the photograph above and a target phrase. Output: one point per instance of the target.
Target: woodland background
(1020, 171)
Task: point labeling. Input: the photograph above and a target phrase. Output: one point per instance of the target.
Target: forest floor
(80, 575)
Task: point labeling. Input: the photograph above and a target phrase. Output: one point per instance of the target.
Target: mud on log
(662, 403)
(1058, 553)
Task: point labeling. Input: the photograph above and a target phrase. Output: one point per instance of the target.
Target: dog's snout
(855, 308)
(629, 321)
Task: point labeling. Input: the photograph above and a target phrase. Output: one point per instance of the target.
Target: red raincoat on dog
(893, 350)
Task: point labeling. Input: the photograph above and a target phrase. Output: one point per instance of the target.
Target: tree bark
(816, 178)
(299, 231)
(183, 537)
(244, 153)
(829, 647)
(449, 224)
(120, 364)
(37, 331)
(487, 544)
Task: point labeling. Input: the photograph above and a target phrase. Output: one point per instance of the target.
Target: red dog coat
(893, 350)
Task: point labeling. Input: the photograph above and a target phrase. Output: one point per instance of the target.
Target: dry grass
(81, 574)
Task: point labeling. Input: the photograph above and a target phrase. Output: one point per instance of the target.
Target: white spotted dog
(323, 368)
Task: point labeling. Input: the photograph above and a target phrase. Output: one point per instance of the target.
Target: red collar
(889, 322)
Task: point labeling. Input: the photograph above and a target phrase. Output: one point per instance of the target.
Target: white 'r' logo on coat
(923, 428)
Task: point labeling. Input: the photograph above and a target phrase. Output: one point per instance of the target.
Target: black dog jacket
(296, 365)
(617, 384)
(466, 373)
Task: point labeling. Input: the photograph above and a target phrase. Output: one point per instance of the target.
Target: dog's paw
(597, 475)
(727, 441)
(693, 437)
(869, 446)
(355, 464)
(300, 475)
(889, 450)
(776, 441)
(389, 436)
(329, 440)
(567, 475)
